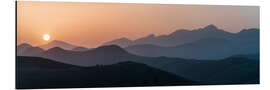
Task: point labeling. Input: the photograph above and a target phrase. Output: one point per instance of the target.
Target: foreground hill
(34, 72)
(232, 70)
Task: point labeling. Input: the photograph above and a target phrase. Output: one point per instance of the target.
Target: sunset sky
(91, 24)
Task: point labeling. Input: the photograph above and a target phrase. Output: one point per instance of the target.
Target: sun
(46, 37)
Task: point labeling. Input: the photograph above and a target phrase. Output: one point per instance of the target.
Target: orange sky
(91, 24)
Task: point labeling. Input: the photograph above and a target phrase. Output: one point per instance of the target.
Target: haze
(91, 24)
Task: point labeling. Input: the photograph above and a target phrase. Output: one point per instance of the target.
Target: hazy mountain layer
(102, 55)
(204, 43)
(57, 43)
(207, 48)
(179, 37)
(28, 50)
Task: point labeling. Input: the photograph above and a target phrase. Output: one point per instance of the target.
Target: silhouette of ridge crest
(210, 27)
(111, 48)
(55, 49)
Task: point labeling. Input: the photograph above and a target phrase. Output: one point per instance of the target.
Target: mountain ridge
(57, 43)
(26, 49)
(101, 55)
(178, 37)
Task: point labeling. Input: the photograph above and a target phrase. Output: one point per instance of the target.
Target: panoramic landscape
(82, 45)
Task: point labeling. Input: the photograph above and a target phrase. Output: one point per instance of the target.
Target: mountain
(79, 49)
(25, 49)
(34, 72)
(246, 33)
(250, 56)
(244, 42)
(232, 70)
(178, 37)
(123, 42)
(57, 43)
(101, 55)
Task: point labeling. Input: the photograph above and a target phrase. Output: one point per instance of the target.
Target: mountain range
(63, 45)
(203, 43)
(245, 67)
(28, 50)
(178, 37)
(206, 56)
(207, 48)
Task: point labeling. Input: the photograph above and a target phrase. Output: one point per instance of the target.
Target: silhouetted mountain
(249, 56)
(178, 37)
(57, 43)
(34, 72)
(249, 32)
(101, 55)
(38, 62)
(244, 42)
(25, 49)
(123, 42)
(79, 49)
(232, 70)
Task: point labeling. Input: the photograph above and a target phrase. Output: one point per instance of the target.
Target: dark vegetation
(35, 72)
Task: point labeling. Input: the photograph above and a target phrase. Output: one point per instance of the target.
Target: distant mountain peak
(55, 49)
(25, 45)
(254, 32)
(124, 39)
(111, 48)
(79, 49)
(123, 42)
(58, 43)
(25, 49)
(210, 27)
(179, 32)
(249, 30)
(151, 36)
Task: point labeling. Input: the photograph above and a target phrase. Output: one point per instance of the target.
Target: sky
(91, 24)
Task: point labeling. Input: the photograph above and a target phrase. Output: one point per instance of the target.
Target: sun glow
(46, 37)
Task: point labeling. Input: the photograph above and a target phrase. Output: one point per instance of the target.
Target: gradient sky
(91, 24)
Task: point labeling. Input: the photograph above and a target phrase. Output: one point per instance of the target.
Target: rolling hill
(232, 70)
(35, 72)
(102, 55)
(28, 50)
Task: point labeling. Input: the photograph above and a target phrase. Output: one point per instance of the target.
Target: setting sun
(46, 37)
